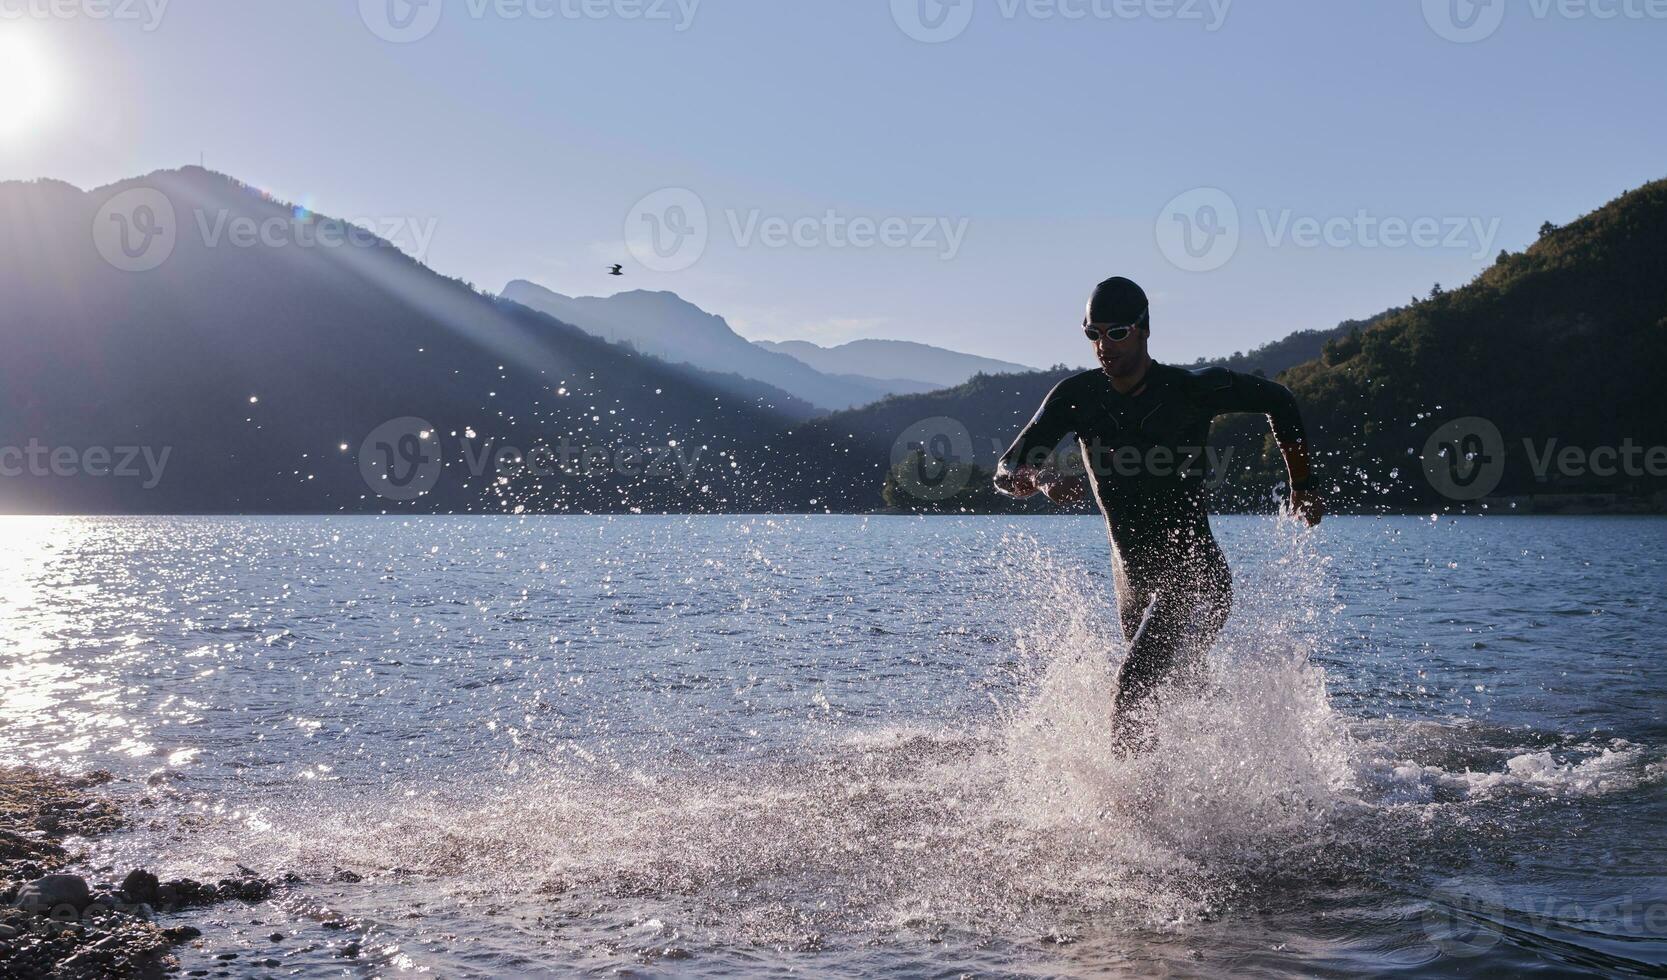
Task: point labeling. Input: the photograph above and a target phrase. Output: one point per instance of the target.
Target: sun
(26, 81)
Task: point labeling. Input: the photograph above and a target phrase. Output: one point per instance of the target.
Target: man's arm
(1024, 470)
(1235, 392)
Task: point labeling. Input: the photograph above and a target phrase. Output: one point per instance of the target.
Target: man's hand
(1307, 506)
(1065, 490)
(1017, 483)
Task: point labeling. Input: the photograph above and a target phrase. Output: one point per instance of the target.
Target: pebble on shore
(53, 924)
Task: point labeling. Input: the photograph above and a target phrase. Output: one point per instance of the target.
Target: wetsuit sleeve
(1229, 391)
(1055, 420)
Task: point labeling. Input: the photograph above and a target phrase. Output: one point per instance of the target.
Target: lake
(744, 746)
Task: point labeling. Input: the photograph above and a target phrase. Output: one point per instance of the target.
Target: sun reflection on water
(52, 679)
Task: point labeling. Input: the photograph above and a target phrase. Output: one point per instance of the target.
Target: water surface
(751, 745)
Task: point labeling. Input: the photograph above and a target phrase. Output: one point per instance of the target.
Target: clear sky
(1018, 152)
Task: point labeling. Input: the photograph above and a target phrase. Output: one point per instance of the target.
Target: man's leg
(1168, 640)
(1152, 648)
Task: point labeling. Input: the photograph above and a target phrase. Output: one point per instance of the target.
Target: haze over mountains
(266, 369)
(671, 328)
(894, 360)
(156, 359)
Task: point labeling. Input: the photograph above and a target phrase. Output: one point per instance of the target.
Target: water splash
(1022, 821)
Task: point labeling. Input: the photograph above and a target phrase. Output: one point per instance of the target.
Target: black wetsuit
(1146, 461)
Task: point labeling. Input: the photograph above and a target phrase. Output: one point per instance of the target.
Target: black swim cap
(1117, 301)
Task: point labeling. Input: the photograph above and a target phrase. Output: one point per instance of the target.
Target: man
(1142, 428)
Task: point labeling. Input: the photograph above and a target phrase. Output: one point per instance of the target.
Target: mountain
(894, 360)
(980, 417)
(185, 343)
(671, 328)
(840, 462)
(1287, 352)
(1549, 364)
(1559, 348)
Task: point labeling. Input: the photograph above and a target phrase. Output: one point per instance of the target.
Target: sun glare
(25, 85)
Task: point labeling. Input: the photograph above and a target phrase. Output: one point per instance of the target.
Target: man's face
(1120, 358)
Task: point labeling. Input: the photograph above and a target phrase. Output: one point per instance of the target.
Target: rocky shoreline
(58, 925)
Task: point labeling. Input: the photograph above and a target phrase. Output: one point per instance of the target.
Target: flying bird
(617, 270)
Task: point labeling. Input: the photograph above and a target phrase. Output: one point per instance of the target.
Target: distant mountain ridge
(992, 408)
(267, 377)
(293, 379)
(673, 329)
(894, 360)
(1561, 345)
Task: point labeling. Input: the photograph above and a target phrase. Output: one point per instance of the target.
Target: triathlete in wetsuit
(1142, 428)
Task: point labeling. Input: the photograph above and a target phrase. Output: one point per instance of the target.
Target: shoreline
(54, 923)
